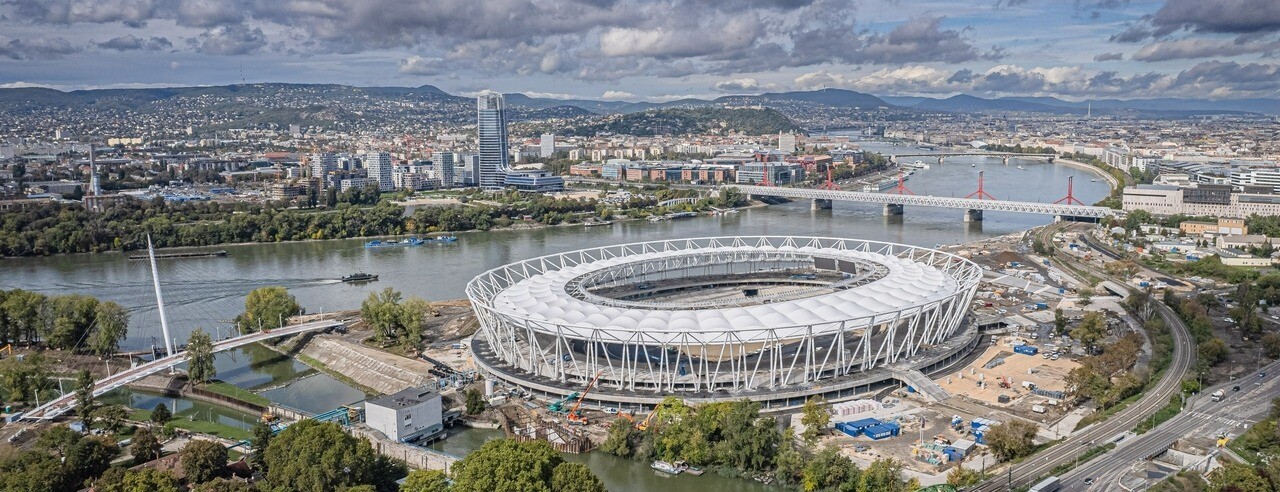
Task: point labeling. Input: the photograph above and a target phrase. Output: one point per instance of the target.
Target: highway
(1203, 417)
(66, 402)
(1170, 383)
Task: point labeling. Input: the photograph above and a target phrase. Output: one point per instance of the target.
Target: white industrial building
(408, 415)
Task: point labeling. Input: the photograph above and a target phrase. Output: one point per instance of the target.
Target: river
(209, 292)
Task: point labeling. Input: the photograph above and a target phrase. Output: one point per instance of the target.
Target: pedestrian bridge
(894, 203)
(66, 403)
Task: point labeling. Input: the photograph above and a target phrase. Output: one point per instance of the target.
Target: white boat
(665, 467)
(973, 164)
(1022, 168)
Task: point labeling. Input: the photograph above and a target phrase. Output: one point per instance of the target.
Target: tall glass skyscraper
(491, 127)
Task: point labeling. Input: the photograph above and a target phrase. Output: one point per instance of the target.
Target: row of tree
(68, 322)
(734, 437)
(394, 319)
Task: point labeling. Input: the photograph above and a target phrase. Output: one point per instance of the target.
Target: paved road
(1203, 417)
(66, 402)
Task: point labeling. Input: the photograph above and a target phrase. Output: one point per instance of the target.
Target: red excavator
(575, 417)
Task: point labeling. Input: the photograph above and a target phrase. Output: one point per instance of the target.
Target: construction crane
(561, 405)
(575, 417)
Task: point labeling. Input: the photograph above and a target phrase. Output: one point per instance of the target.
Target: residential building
(548, 145)
(408, 415)
(322, 163)
(350, 183)
(491, 131)
(787, 142)
(378, 167)
(1225, 226)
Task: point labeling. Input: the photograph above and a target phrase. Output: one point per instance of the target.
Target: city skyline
(657, 50)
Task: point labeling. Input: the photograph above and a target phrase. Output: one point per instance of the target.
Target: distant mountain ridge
(35, 97)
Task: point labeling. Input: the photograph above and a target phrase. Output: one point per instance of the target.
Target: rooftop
(406, 398)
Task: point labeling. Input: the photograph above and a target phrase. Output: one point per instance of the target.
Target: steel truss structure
(1056, 209)
(541, 318)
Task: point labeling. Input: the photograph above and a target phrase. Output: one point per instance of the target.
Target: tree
(225, 485)
(413, 318)
(1059, 322)
(145, 446)
(112, 417)
(525, 466)
(23, 378)
(160, 414)
(85, 405)
(618, 441)
(1213, 351)
(575, 477)
(267, 308)
(203, 461)
(261, 441)
(475, 401)
(1271, 345)
(111, 326)
(382, 311)
(1237, 477)
(1011, 439)
(1085, 298)
(828, 469)
(963, 477)
(200, 367)
(815, 418)
(425, 481)
(1090, 330)
(313, 456)
(149, 480)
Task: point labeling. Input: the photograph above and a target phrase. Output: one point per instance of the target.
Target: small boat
(1022, 168)
(1093, 180)
(665, 467)
(360, 277)
(443, 239)
(973, 164)
(695, 471)
(392, 243)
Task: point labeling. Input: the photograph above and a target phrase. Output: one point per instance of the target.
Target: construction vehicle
(574, 416)
(1004, 383)
(645, 425)
(562, 405)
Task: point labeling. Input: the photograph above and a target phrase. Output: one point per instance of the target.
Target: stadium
(769, 318)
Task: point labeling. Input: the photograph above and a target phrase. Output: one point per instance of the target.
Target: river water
(209, 292)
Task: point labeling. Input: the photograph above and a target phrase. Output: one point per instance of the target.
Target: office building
(548, 145)
(408, 415)
(491, 130)
(1202, 200)
(377, 166)
(534, 181)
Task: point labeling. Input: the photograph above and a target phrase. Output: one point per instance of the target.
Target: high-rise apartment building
(548, 145)
(322, 163)
(491, 129)
(787, 142)
(377, 166)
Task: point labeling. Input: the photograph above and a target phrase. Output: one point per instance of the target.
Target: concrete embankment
(414, 456)
(172, 386)
(371, 368)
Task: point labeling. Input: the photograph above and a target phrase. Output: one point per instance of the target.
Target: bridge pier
(973, 215)
(940, 158)
(891, 209)
(820, 204)
(1051, 159)
(1005, 160)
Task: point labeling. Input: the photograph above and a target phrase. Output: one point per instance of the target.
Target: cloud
(1191, 48)
(417, 65)
(745, 84)
(617, 95)
(231, 40)
(737, 33)
(38, 48)
(1133, 34)
(996, 81)
(1101, 57)
(1223, 79)
(1217, 16)
(918, 40)
(134, 43)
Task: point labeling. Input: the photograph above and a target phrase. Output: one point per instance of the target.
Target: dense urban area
(1126, 345)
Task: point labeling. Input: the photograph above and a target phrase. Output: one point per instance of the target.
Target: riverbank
(1092, 169)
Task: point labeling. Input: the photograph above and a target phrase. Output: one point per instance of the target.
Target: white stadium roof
(543, 300)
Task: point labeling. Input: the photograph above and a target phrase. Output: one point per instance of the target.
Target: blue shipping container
(881, 431)
(1026, 350)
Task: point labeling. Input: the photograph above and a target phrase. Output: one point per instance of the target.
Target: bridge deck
(931, 201)
(65, 403)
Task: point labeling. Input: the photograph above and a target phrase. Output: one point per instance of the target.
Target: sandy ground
(1044, 373)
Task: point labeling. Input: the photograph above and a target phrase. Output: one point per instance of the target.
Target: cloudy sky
(656, 49)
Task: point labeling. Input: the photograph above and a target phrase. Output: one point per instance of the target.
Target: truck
(1051, 484)
(1218, 395)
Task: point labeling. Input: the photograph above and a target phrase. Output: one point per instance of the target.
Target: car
(1088, 481)
(611, 410)
(1262, 374)
(1235, 388)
